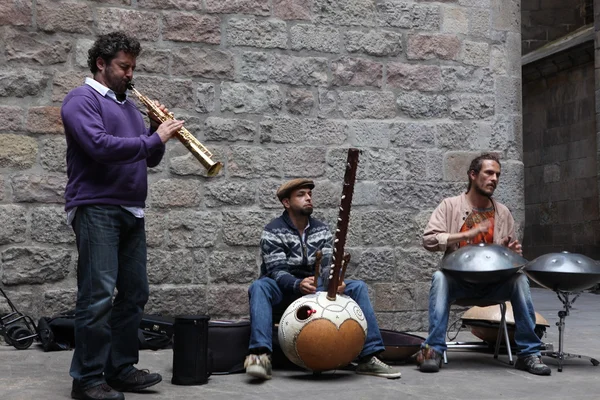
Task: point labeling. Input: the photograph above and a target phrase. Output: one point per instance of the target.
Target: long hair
(477, 163)
(107, 46)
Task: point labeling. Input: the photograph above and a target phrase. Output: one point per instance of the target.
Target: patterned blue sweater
(286, 259)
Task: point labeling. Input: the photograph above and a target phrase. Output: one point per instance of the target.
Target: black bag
(228, 342)
(191, 357)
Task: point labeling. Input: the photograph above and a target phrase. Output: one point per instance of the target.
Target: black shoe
(533, 364)
(138, 380)
(98, 392)
(429, 360)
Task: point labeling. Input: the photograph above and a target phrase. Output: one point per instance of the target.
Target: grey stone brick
(375, 43)
(254, 162)
(412, 134)
(228, 301)
(394, 297)
(17, 151)
(250, 98)
(34, 265)
(34, 47)
(11, 118)
(256, 7)
(387, 164)
(299, 71)
(367, 104)
(476, 53)
(365, 194)
(303, 161)
(189, 5)
(64, 82)
(417, 195)
(427, 47)
(426, 78)
(328, 103)
(251, 32)
(405, 321)
(351, 12)
(45, 188)
(415, 264)
(369, 133)
(479, 23)
(467, 79)
(188, 27)
(233, 266)
(203, 62)
(506, 15)
(418, 105)
(348, 71)
(81, 52)
(172, 267)
(510, 190)
(474, 106)
(267, 197)
(376, 264)
(167, 193)
(142, 25)
(463, 135)
(177, 300)
(14, 224)
(186, 164)
(302, 130)
(456, 164)
(336, 164)
(385, 228)
(63, 16)
(174, 93)
(401, 14)
(243, 228)
(315, 37)
(292, 9)
(508, 95)
(16, 13)
(193, 229)
(53, 154)
(455, 20)
(49, 225)
(22, 82)
(44, 120)
(299, 101)
(326, 194)
(2, 183)
(230, 129)
(155, 221)
(229, 193)
(153, 60)
(205, 97)
(57, 301)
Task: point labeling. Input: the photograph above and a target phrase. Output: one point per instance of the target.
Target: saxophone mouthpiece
(130, 85)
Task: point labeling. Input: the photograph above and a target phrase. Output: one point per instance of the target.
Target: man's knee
(353, 286)
(264, 288)
(520, 282)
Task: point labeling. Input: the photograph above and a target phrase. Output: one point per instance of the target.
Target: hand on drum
(341, 288)
(514, 245)
(307, 286)
(482, 227)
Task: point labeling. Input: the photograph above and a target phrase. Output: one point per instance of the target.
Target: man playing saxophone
(109, 150)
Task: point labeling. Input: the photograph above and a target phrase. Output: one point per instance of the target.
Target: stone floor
(33, 374)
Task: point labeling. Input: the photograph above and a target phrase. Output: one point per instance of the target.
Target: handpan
(483, 263)
(567, 272)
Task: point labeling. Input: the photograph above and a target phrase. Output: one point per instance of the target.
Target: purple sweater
(108, 150)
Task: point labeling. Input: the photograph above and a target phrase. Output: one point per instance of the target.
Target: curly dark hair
(107, 46)
(477, 163)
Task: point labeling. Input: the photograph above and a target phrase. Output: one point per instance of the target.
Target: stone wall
(547, 20)
(560, 154)
(276, 89)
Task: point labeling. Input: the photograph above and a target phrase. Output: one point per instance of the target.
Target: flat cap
(286, 189)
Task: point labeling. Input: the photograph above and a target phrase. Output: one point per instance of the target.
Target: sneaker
(98, 392)
(533, 364)
(376, 367)
(429, 360)
(138, 380)
(258, 366)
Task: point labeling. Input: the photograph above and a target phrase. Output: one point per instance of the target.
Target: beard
(307, 211)
(481, 191)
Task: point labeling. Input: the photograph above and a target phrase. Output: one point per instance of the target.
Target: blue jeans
(446, 289)
(264, 294)
(112, 254)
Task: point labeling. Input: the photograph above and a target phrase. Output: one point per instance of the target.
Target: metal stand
(562, 314)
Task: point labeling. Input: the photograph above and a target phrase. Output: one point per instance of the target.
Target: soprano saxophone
(193, 145)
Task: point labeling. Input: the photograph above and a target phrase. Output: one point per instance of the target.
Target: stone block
(155, 221)
(177, 300)
(203, 62)
(167, 193)
(143, 25)
(230, 130)
(254, 162)
(346, 71)
(394, 297)
(476, 53)
(188, 27)
(508, 95)
(192, 229)
(365, 194)
(267, 197)
(14, 224)
(456, 164)
(464, 135)
(227, 301)
(255, 7)
(551, 173)
(412, 134)
(45, 120)
(17, 13)
(415, 264)
(173, 267)
(374, 43)
(81, 53)
(57, 301)
(474, 106)
(510, 190)
(64, 16)
(45, 188)
(229, 193)
(427, 47)
(480, 22)
(507, 138)
(427, 78)
(183, 163)
(233, 266)
(402, 14)
(49, 225)
(2, 182)
(188, 5)
(404, 321)
(417, 196)
(244, 228)
(22, 82)
(506, 15)
(35, 47)
(328, 103)
(387, 164)
(64, 82)
(205, 97)
(315, 38)
(369, 133)
(419, 105)
(297, 162)
(376, 264)
(11, 118)
(302, 130)
(385, 228)
(351, 12)
(423, 164)
(336, 165)
(467, 79)
(292, 9)
(326, 194)
(250, 98)
(17, 151)
(174, 93)
(299, 101)
(153, 60)
(455, 20)
(281, 68)
(257, 33)
(367, 104)
(34, 265)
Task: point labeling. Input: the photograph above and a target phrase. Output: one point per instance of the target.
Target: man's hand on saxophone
(166, 130)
